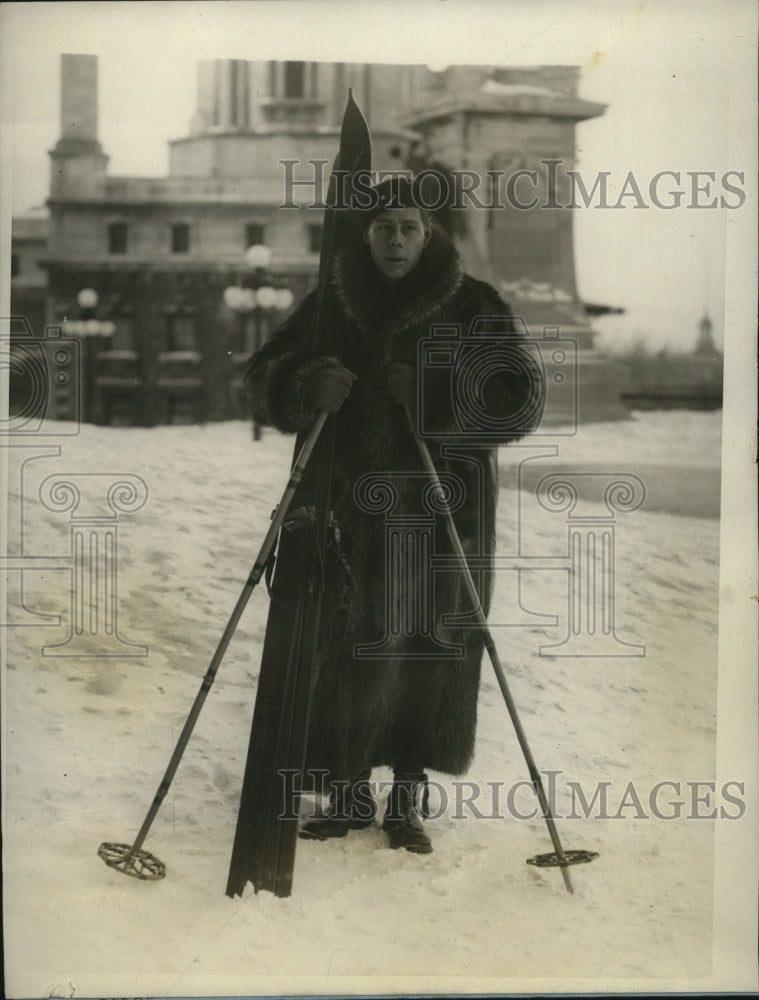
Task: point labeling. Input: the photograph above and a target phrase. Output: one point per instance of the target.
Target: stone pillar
(224, 93)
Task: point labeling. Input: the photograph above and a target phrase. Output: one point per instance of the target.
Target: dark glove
(329, 388)
(401, 381)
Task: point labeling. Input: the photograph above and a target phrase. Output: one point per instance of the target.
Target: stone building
(147, 272)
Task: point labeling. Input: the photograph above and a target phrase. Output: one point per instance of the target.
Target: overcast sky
(677, 78)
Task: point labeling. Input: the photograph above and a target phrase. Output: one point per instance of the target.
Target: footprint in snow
(104, 683)
(221, 777)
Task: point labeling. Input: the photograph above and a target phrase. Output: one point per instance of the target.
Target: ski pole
(561, 858)
(132, 860)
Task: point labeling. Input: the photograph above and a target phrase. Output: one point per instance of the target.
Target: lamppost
(86, 328)
(255, 295)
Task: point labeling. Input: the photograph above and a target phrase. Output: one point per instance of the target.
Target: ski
(263, 852)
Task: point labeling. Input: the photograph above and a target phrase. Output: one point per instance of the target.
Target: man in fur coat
(398, 664)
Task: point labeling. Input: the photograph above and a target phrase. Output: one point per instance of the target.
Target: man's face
(396, 238)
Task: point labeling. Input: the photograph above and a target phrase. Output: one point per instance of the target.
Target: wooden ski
(267, 824)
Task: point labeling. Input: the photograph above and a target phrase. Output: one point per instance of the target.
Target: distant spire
(705, 342)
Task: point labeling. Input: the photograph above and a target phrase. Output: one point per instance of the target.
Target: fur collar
(376, 305)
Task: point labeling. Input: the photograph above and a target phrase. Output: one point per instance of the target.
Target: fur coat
(397, 676)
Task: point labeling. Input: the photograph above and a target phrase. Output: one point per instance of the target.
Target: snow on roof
(517, 89)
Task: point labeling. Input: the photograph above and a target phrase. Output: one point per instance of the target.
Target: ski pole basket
(552, 859)
(139, 864)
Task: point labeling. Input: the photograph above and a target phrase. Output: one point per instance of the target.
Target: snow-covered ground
(88, 739)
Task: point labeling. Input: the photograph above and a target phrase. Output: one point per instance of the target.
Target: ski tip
(354, 134)
(351, 107)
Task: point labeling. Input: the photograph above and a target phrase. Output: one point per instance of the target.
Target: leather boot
(351, 807)
(406, 806)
